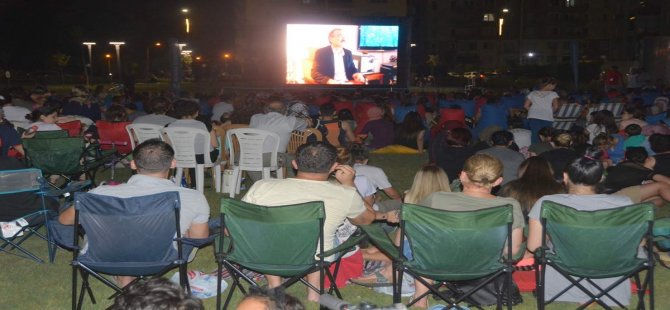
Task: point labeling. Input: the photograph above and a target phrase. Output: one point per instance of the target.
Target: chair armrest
(70, 188)
(345, 247)
(379, 238)
(199, 242)
(227, 243)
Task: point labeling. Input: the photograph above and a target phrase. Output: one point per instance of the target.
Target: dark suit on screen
(323, 68)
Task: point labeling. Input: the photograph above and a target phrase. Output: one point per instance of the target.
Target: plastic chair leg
(237, 179)
(217, 178)
(178, 175)
(200, 178)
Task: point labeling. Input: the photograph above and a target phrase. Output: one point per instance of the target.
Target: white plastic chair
(183, 142)
(143, 132)
(567, 115)
(246, 153)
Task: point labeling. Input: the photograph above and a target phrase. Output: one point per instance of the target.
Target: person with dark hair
(634, 136)
(155, 293)
(536, 179)
(378, 129)
(9, 137)
(544, 143)
(269, 299)
(44, 119)
(411, 132)
(634, 178)
(345, 115)
(359, 158)
(500, 149)
(582, 178)
(188, 111)
(632, 115)
(315, 162)
(158, 107)
(337, 133)
(153, 160)
(115, 114)
(81, 104)
(541, 105)
(561, 155)
(449, 150)
(601, 122)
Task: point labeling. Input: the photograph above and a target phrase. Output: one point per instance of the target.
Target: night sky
(34, 30)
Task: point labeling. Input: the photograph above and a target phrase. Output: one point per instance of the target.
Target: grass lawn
(29, 285)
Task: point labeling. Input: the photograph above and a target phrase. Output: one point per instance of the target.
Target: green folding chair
(67, 157)
(586, 245)
(279, 240)
(450, 246)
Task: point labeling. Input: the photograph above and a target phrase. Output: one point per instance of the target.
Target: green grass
(25, 284)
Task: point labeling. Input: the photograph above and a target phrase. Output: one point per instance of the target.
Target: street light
(117, 46)
(89, 45)
(187, 22)
(109, 64)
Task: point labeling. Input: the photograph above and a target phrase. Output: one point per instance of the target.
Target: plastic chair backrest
(114, 135)
(569, 111)
(590, 243)
(264, 238)
(143, 132)
(249, 156)
(55, 155)
(21, 180)
(183, 140)
(299, 138)
(114, 226)
(470, 243)
(73, 128)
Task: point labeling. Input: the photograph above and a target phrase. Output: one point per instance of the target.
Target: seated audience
(480, 174)
(158, 107)
(44, 119)
(153, 160)
(449, 150)
(632, 115)
(337, 133)
(634, 178)
(269, 299)
(378, 129)
(561, 155)
(359, 157)
(315, 162)
(660, 145)
(155, 293)
(81, 104)
(9, 138)
(500, 149)
(187, 111)
(544, 143)
(536, 179)
(411, 132)
(634, 136)
(582, 178)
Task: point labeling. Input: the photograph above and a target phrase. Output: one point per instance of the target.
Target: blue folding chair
(113, 227)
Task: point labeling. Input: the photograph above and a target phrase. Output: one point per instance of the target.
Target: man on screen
(334, 64)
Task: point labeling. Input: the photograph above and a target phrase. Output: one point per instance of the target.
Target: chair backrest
(461, 244)
(51, 134)
(264, 238)
(55, 155)
(183, 140)
(139, 133)
(135, 230)
(249, 156)
(569, 111)
(114, 135)
(593, 242)
(73, 128)
(21, 180)
(299, 138)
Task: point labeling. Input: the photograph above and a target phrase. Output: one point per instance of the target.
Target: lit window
(489, 17)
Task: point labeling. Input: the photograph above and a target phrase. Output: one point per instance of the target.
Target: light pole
(109, 65)
(157, 44)
(117, 46)
(187, 23)
(89, 45)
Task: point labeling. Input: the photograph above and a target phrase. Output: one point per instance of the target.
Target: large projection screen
(312, 51)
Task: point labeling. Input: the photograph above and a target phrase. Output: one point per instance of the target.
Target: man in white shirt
(334, 64)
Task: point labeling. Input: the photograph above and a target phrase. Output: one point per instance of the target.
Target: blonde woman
(430, 179)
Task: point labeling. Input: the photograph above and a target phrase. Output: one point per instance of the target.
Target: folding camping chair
(472, 245)
(590, 245)
(263, 239)
(113, 226)
(567, 115)
(114, 142)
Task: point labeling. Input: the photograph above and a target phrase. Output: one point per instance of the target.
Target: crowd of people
(484, 150)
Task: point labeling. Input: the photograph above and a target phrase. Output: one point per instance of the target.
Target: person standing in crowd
(541, 105)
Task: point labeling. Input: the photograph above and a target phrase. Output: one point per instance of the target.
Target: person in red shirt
(613, 79)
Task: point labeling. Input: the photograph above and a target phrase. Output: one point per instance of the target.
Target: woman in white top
(581, 177)
(541, 105)
(44, 119)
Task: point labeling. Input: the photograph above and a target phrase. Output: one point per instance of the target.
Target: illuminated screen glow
(376, 60)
